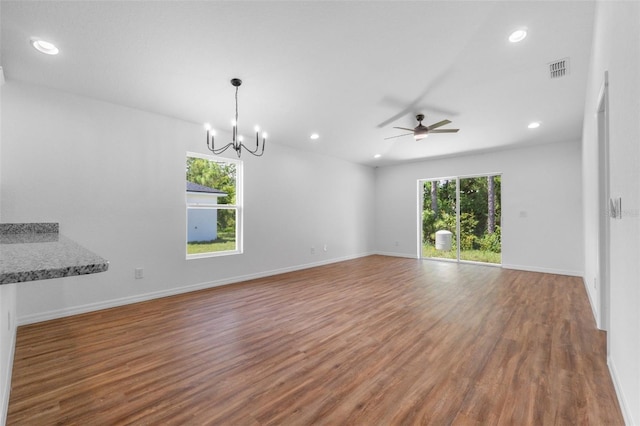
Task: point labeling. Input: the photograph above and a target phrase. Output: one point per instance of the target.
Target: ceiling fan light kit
(236, 140)
(419, 136)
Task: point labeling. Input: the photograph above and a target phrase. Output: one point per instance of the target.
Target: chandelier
(236, 140)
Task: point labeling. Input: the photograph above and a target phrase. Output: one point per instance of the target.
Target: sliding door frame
(457, 179)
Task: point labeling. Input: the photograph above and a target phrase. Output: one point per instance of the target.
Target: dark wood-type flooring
(371, 341)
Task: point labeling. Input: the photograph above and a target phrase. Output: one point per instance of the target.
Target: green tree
(491, 207)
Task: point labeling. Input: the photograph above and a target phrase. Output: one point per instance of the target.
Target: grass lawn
(226, 242)
(472, 255)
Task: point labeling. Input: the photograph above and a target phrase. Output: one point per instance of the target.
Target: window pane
(439, 219)
(219, 176)
(211, 230)
(480, 219)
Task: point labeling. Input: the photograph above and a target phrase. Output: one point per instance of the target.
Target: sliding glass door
(461, 219)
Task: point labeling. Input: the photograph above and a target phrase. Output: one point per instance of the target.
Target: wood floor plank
(376, 340)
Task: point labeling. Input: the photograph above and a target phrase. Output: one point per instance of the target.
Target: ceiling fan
(421, 131)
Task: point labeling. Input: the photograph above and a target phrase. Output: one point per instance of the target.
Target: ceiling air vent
(559, 68)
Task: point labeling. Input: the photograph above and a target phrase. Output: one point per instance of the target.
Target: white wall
(616, 49)
(7, 322)
(541, 204)
(113, 177)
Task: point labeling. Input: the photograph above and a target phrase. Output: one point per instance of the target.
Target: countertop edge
(46, 274)
(26, 252)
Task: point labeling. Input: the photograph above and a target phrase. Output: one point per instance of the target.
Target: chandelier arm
(251, 151)
(219, 151)
(212, 146)
(254, 152)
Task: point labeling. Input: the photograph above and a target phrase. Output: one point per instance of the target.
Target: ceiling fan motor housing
(420, 131)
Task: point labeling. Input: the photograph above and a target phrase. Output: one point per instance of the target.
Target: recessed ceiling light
(43, 46)
(534, 125)
(518, 35)
(377, 156)
(314, 136)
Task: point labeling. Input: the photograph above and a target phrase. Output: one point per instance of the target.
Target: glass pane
(211, 230)
(217, 176)
(480, 219)
(439, 219)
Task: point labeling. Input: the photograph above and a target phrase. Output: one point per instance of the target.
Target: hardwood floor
(372, 341)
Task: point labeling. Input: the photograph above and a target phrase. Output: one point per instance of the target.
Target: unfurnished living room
(435, 220)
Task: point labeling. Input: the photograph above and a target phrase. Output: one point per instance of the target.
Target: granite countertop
(30, 252)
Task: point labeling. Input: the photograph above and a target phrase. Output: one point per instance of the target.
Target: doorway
(461, 219)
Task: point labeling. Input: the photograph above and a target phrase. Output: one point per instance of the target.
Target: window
(214, 206)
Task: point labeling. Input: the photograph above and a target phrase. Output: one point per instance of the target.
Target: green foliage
(428, 225)
(491, 242)
(468, 223)
(447, 222)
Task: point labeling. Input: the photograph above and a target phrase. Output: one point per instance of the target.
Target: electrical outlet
(397, 243)
(139, 274)
(325, 248)
(313, 250)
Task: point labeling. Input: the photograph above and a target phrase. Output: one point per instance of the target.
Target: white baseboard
(544, 270)
(622, 400)
(8, 371)
(392, 254)
(506, 266)
(594, 307)
(90, 307)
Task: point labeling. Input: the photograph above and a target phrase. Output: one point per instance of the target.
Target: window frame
(237, 207)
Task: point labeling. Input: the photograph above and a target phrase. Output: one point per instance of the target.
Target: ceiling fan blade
(404, 128)
(435, 110)
(438, 124)
(394, 118)
(444, 131)
(393, 102)
(437, 81)
(392, 137)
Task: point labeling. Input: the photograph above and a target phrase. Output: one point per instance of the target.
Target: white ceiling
(342, 69)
